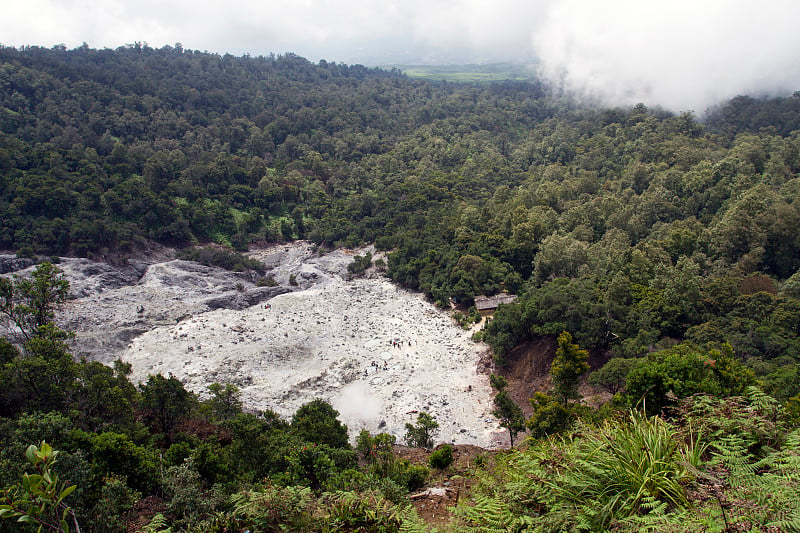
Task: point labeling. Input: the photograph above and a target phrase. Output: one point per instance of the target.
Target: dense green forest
(667, 246)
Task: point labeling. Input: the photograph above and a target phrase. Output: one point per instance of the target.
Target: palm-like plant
(600, 475)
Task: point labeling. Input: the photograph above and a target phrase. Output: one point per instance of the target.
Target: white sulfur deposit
(378, 353)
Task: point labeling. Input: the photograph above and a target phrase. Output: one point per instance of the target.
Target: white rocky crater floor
(378, 353)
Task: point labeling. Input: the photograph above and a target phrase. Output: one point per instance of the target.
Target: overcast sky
(681, 54)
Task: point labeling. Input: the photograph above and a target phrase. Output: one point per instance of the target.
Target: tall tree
(29, 304)
(165, 403)
(225, 402)
(421, 434)
(569, 365)
(506, 410)
(317, 421)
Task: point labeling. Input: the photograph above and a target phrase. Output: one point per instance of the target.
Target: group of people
(397, 344)
(377, 366)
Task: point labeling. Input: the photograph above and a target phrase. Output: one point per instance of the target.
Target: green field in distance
(486, 73)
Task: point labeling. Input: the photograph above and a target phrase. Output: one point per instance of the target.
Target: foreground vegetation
(717, 464)
(662, 249)
(157, 456)
(81, 444)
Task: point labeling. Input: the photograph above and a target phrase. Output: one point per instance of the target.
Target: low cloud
(682, 54)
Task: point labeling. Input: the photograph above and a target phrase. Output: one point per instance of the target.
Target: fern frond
(790, 523)
(486, 514)
(158, 524)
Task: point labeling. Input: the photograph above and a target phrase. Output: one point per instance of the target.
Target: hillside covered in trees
(668, 247)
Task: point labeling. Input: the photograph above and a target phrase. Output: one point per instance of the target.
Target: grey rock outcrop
(113, 305)
(11, 263)
(244, 299)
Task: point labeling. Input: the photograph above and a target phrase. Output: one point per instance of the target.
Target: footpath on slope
(378, 353)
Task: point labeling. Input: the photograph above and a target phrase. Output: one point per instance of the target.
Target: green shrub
(38, 498)
(274, 508)
(317, 421)
(376, 451)
(177, 453)
(550, 416)
(27, 252)
(351, 511)
(442, 457)
(592, 479)
(480, 460)
(657, 380)
(266, 281)
(420, 435)
(188, 500)
(410, 476)
(220, 257)
(116, 500)
(360, 264)
(348, 479)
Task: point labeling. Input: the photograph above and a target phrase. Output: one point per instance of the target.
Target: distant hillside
(748, 114)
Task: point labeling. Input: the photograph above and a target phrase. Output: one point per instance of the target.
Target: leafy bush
(682, 371)
(187, 502)
(755, 418)
(442, 457)
(317, 421)
(266, 281)
(421, 434)
(360, 264)
(274, 508)
(612, 375)
(569, 364)
(116, 501)
(220, 257)
(351, 511)
(359, 481)
(39, 497)
(408, 475)
(466, 321)
(551, 416)
(376, 451)
(592, 479)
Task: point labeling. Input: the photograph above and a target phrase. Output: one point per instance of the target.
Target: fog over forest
(682, 55)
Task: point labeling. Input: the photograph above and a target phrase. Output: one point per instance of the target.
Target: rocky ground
(377, 353)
